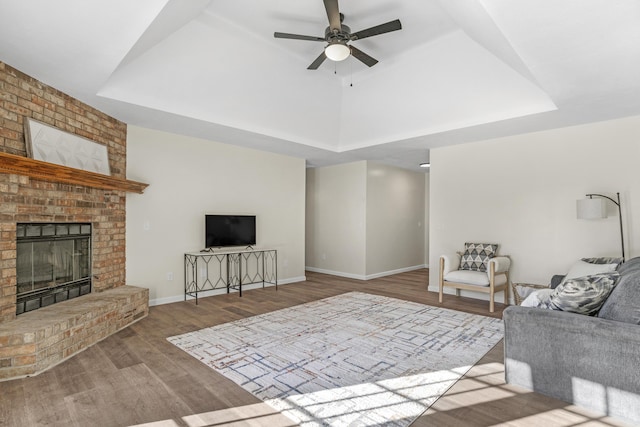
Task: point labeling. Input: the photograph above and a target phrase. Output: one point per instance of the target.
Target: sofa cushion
(623, 305)
(629, 266)
(476, 256)
(583, 295)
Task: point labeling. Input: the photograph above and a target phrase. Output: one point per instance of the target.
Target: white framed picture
(53, 145)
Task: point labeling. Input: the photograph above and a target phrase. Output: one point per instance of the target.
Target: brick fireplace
(27, 199)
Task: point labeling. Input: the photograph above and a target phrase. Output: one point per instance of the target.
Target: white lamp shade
(337, 51)
(591, 208)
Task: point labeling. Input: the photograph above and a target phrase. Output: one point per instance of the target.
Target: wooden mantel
(20, 165)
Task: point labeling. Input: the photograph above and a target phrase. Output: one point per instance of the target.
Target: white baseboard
(365, 277)
(335, 273)
(292, 280)
(398, 271)
(178, 298)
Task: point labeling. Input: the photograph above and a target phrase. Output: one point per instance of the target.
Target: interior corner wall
(364, 220)
(395, 219)
(427, 180)
(190, 177)
(521, 192)
(336, 219)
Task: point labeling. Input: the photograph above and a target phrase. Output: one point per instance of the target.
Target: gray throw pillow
(476, 256)
(583, 295)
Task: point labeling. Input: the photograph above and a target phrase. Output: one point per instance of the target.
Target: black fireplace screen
(53, 264)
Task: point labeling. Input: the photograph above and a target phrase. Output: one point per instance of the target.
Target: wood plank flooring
(137, 377)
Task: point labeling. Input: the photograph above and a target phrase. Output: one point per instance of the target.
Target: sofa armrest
(585, 360)
(451, 263)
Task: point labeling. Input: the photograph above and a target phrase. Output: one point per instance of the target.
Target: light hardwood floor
(136, 376)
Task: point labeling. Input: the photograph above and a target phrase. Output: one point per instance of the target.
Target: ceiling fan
(337, 35)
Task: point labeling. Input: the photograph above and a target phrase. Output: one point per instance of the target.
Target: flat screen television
(230, 230)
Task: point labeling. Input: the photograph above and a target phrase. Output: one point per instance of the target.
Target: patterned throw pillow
(476, 256)
(583, 295)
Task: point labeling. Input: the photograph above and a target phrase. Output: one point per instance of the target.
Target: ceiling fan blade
(333, 13)
(363, 57)
(378, 29)
(319, 60)
(297, 37)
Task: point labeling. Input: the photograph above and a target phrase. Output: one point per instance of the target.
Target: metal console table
(210, 270)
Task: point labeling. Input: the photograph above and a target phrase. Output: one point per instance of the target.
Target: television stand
(230, 269)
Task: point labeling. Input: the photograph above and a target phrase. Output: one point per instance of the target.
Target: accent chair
(476, 269)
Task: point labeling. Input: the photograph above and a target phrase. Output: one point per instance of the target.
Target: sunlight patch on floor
(484, 385)
(392, 399)
(258, 415)
(555, 417)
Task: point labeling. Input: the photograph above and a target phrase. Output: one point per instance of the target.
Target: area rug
(351, 360)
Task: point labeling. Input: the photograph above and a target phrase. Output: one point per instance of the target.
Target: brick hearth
(40, 339)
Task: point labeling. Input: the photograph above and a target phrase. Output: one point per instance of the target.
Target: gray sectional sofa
(590, 361)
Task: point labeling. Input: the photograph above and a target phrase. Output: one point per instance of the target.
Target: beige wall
(189, 177)
(336, 219)
(364, 220)
(521, 192)
(395, 219)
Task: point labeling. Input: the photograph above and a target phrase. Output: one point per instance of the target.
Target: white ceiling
(458, 71)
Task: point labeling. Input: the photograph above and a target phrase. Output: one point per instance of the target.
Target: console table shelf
(20, 165)
(230, 269)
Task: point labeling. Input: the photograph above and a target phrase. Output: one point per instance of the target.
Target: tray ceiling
(458, 71)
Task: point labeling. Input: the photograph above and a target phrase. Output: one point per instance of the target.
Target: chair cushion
(477, 278)
(476, 256)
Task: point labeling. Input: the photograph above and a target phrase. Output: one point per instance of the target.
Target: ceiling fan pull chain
(351, 72)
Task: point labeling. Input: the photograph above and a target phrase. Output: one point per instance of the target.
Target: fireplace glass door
(53, 263)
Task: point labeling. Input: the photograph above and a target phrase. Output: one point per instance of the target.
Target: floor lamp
(596, 208)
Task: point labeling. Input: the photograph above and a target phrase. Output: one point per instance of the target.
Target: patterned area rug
(353, 359)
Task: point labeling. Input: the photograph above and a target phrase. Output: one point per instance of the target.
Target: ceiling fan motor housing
(342, 36)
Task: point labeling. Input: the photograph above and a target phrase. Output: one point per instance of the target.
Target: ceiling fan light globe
(337, 51)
